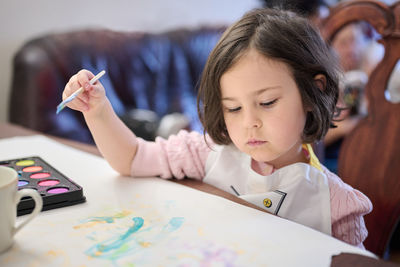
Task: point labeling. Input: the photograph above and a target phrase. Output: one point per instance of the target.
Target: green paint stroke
(107, 219)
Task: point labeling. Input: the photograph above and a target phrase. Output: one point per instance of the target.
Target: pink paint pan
(56, 189)
(40, 175)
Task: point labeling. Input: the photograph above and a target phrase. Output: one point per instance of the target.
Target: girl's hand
(92, 99)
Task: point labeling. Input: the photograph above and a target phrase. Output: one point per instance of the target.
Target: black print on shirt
(283, 195)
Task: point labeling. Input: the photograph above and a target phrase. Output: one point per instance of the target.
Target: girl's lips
(255, 142)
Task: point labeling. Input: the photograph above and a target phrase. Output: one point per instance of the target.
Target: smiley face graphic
(267, 202)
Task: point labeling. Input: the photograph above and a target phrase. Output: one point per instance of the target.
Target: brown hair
(282, 36)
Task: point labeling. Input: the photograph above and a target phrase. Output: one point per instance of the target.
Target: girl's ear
(320, 81)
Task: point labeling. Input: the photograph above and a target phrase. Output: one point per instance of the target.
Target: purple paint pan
(56, 189)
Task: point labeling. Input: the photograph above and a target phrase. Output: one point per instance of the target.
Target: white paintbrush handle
(80, 90)
(92, 81)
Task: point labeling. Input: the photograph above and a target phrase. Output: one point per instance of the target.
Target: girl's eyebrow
(258, 92)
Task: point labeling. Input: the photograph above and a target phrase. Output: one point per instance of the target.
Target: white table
(152, 222)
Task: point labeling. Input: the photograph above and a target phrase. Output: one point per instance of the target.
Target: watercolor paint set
(55, 188)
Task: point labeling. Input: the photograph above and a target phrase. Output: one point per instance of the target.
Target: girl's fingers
(72, 86)
(97, 90)
(78, 104)
(92, 94)
(84, 97)
(83, 78)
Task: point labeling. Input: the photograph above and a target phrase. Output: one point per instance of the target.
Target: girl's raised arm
(116, 142)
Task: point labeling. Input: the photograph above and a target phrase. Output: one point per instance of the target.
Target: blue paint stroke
(174, 223)
(116, 244)
(133, 240)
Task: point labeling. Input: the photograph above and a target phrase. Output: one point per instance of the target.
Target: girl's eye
(268, 104)
(233, 109)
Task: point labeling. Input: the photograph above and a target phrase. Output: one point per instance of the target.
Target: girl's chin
(261, 157)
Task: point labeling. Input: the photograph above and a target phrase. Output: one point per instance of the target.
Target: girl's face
(263, 110)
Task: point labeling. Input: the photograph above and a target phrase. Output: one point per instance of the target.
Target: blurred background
(151, 79)
(21, 21)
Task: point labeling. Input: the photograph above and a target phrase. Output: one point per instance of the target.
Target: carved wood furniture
(369, 158)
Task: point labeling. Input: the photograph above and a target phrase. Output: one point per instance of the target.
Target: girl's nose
(251, 120)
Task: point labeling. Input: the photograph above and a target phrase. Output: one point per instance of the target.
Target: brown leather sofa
(157, 72)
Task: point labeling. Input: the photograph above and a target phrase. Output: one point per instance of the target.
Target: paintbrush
(62, 105)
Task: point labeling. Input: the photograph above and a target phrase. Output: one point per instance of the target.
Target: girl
(268, 90)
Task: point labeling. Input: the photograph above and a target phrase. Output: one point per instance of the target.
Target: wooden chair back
(369, 158)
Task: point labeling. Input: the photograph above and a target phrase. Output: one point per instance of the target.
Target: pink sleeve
(348, 206)
(182, 155)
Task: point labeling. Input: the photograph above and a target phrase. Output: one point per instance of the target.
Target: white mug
(10, 196)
